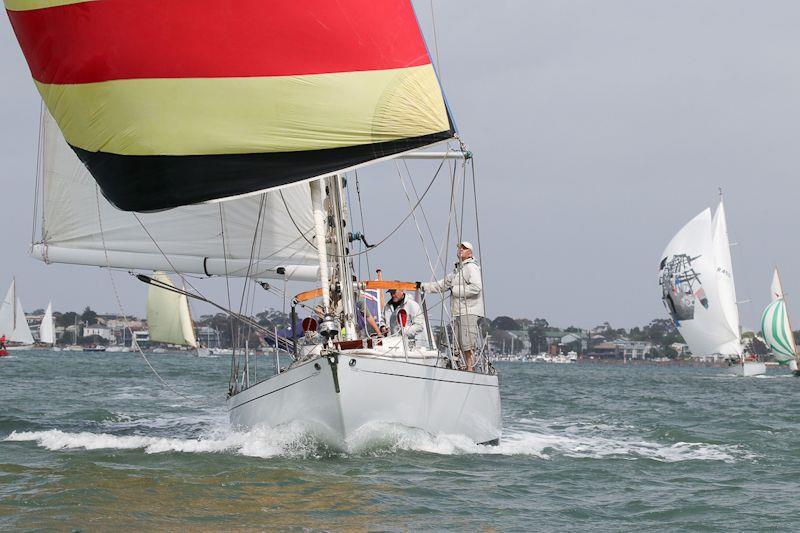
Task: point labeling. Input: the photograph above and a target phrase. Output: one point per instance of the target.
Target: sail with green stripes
(777, 332)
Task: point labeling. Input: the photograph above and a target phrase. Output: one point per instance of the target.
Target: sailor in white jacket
(415, 327)
(466, 301)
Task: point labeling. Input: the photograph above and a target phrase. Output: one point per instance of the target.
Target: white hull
(436, 400)
(19, 348)
(748, 369)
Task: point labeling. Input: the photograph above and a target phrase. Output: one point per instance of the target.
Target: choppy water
(93, 442)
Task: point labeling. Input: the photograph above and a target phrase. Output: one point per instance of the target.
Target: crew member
(415, 324)
(466, 301)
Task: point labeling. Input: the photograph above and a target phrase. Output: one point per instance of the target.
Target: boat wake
(380, 439)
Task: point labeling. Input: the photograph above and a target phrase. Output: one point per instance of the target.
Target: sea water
(97, 442)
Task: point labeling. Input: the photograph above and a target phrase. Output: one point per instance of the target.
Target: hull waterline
(748, 369)
(336, 396)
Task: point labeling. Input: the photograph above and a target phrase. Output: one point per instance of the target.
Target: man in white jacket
(415, 326)
(466, 301)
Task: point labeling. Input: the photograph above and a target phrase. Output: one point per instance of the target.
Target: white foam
(380, 439)
(260, 442)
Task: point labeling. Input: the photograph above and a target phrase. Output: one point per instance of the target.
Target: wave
(382, 439)
(541, 445)
(260, 442)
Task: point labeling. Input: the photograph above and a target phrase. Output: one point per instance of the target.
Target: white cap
(467, 245)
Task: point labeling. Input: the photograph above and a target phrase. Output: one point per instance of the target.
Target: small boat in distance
(13, 324)
(697, 288)
(47, 329)
(169, 317)
(777, 328)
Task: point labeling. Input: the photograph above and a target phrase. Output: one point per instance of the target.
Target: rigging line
(245, 319)
(416, 222)
(484, 346)
(424, 215)
(242, 305)
(252, 252)
(436, 44)
(446, 253)
(39, 176)
(424, 193)
(255, 285)
(161, 251)
(234, 366)
(363, 227)
(122, 309)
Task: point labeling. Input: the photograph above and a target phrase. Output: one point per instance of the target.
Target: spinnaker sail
(174, 103)
(697, 286)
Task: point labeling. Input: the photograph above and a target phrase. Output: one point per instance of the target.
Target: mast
(344, 275)
(14, 304)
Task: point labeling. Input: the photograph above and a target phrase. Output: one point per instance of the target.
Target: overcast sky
(599, 129)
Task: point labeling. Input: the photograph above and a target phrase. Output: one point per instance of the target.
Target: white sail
(22, 333)
(168, 317)
(189, 239)
(47, 329)
(775, 288)
(724, 274)
(12, 318)
(690, 290)
(7, 313)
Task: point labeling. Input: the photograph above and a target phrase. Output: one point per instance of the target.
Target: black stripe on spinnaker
(157, 182)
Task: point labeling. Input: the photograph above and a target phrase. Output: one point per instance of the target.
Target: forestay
(79, 226)
(170, 103)
(692, 292)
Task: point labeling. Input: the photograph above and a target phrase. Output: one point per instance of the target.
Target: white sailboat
(13, 324)
(697, 288)
(168, 317)
(270, 153)
(777, 328)
(47, 329)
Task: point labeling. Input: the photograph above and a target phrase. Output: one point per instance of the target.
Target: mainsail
(697, 295)
(47, 330)
(253, 236)
(168, 317)
(775, 324)
(12, 318)
(179, 102)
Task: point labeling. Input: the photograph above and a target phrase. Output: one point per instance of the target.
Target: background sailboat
(776, 326)
(168, 317)
(47, 329)
(13, 323)
(698, 290)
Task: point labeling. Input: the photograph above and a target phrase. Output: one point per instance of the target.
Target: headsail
(80, 227)
(724, 271)
(47, 330)
(691, 292)
(168, 315)
(775, 324)
(179, 102)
